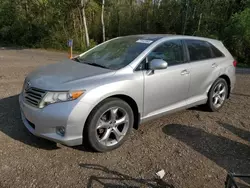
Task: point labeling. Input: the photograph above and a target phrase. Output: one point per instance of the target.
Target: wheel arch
(225, 77)
(130, 101)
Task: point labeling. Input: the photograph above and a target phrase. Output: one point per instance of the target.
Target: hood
(63, 75)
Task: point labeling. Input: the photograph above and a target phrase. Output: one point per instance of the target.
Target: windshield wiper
(76, 59)
(89, 63)
(97, 65)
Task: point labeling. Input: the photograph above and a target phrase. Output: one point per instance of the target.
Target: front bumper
(43, 122)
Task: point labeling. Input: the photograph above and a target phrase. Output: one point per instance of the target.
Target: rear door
(203, 67)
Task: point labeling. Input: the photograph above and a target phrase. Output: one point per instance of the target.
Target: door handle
(184, 72)
(214, 65)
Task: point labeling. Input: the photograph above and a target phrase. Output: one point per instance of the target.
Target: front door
(167, 89)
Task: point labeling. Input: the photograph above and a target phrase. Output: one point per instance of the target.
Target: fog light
(60, 131)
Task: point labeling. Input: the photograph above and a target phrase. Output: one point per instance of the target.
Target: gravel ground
(195, 148)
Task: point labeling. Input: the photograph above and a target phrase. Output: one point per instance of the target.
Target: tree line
(50, 23)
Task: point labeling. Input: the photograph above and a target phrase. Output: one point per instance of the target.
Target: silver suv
(99, 96)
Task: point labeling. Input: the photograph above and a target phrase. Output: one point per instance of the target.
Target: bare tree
(199, 23)
(83, 5)
(186, 17)
(102, 19)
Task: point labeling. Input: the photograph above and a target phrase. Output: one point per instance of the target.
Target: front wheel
(108, 125)
(217, 95)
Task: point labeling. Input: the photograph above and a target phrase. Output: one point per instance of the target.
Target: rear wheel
(217, 95)
(108, 125)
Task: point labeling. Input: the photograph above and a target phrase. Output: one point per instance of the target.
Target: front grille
(34, 96)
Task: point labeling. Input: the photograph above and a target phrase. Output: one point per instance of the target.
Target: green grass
(242, 65)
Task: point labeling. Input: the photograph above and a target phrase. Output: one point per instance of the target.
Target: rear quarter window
(216, 52)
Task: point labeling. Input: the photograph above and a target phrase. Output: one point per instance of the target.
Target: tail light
(235, 63)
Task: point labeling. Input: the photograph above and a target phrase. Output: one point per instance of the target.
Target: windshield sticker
(144, 41)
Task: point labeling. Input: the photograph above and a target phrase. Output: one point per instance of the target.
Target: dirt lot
(195, 148)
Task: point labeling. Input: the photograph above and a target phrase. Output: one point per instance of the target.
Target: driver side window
(170, 51)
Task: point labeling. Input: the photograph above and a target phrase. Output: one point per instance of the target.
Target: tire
(107, 119)
(214, 93)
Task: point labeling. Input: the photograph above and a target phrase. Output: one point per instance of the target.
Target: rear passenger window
(216, 52)
(198, 50)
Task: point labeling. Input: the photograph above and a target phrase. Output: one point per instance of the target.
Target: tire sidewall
(210, 100)
(93, 120)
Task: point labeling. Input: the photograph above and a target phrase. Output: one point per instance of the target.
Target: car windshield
(115, 54)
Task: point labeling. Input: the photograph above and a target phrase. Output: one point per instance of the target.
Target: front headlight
(54, 97)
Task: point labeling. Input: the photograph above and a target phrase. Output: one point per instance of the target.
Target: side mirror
(157, 64)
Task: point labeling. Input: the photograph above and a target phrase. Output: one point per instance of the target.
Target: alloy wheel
(112, 126)
(219, 95)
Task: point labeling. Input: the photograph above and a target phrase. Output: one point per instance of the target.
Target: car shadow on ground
(200, 108)
(245, 135)
(110, 178)
(11, 125)
(228, 154)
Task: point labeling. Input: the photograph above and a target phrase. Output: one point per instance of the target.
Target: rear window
(198, 50)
